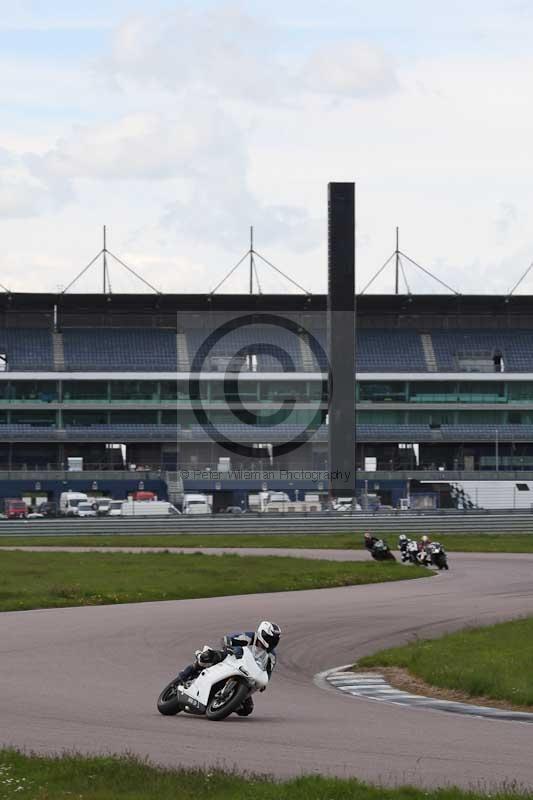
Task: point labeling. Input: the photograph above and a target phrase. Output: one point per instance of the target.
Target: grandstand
(444, 385)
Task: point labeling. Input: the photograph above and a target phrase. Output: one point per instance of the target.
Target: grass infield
(111, 778)
(468, 543)
(48, 580)
(491, 662)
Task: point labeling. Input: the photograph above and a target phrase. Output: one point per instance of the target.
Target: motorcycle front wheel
(168, 702)
(227, 699)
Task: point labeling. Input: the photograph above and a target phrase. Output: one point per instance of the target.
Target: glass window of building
(137, 417)
(84, 419)
(169, 390)
(33, 391)
(430, 417)
(520, 391)
(277, 391)
(481, 392)
(433, 392)
(481, 417)
(382, 392)
(84, 391)
(133, 391)
(380, 417)
(42, 418)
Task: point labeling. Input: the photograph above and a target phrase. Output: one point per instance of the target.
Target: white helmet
(268, 633)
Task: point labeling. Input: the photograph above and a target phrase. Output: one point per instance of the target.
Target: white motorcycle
(221, 689)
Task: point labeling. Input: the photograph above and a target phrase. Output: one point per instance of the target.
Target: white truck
(346, 504)
(279, 502)
(196, 504)
(141, 508)
(69, 501)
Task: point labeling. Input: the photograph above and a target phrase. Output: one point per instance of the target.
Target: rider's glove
(204, 655)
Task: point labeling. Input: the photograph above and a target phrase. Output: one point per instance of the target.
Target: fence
(271, 524)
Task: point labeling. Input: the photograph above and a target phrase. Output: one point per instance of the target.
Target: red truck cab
(141, 495)
(14, 508)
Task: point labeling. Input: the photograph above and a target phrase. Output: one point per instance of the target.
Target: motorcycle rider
(424, 549)
(403, 543)
(266, 636)
(370, 541)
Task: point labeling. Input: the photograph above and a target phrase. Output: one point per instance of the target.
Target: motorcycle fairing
(244, 668)
(191, 704)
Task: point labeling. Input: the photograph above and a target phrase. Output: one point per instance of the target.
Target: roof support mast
(398, 256)
(252, 253)
(251, 259)
(106, 279)
(104, 254)
(396, 285)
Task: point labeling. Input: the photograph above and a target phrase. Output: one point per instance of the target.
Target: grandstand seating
(280, 349)
(389, 351)
(27, 348)
(120, 349)
(516, 348)
(151, 350)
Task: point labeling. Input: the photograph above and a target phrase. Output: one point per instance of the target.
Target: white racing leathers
(221, 689)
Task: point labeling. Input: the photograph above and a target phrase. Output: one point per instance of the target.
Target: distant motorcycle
(438, 556)
(403, 544)
(381, 552)
(412, 552)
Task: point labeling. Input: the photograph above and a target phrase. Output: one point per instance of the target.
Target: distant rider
(266, 636)
(424, 549)
(370, 541)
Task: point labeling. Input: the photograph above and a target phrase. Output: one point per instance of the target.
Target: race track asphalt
(87, 679)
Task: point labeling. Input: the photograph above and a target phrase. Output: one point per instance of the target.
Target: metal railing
(273, 523)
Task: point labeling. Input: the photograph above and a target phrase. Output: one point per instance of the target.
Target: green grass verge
(112, 778)
(493, 661)
(47, 580)
(469, 543)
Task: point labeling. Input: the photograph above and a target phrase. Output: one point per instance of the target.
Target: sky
(180, 125)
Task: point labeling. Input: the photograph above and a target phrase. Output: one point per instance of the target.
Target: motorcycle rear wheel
(168, 702)
(217, 710)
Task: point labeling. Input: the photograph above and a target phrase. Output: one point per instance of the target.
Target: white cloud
(221, 50)
(506, 219)
(224, 52)
(221, 213)
(146, 146)
(352, 69)
(200, 156)
(21, 193)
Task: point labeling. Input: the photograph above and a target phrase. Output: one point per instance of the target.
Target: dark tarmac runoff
(87, 679)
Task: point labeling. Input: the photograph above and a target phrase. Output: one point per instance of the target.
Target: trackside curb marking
(372, 686)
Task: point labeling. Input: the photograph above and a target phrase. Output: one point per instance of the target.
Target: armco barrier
(504, 522)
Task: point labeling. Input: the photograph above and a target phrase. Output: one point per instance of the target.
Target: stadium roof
(366, 304)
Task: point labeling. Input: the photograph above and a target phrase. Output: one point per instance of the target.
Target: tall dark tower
(341, 338)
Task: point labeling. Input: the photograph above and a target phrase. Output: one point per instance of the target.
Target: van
(104, 504)
(140, 508)
(85, 509)
(68, 502)
(48, 508)
(115, 508)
